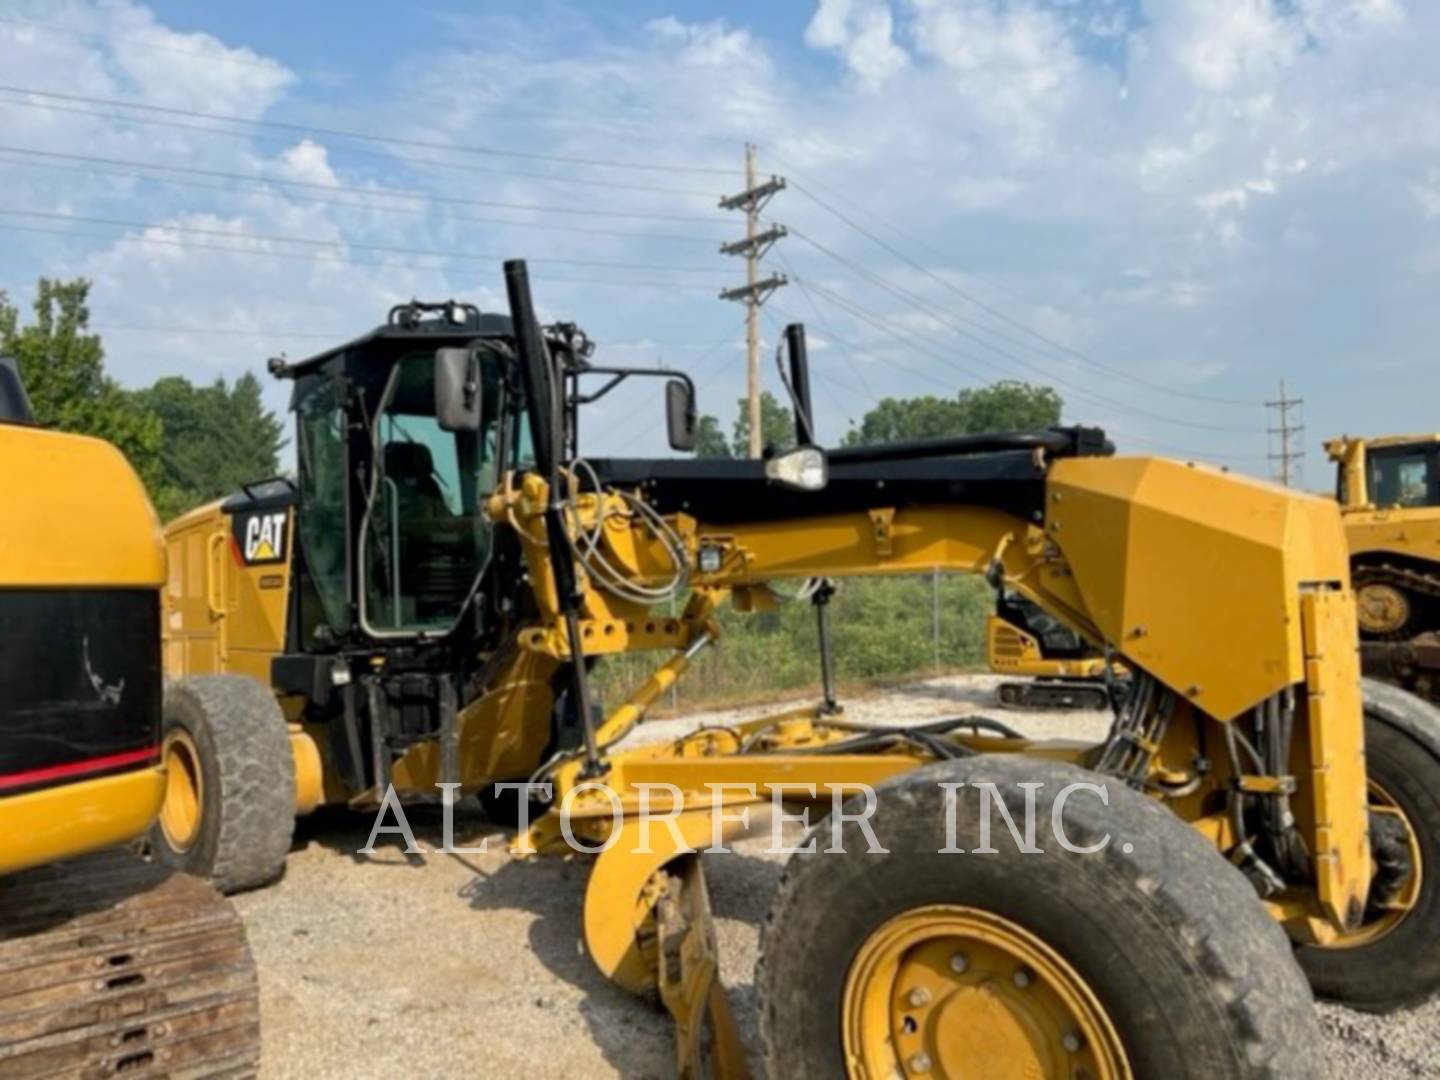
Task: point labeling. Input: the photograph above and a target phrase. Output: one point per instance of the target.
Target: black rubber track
(1199, 981)
(1402, 752)
(244, 746)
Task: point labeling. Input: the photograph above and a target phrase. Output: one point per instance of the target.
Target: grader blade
(707, 1039)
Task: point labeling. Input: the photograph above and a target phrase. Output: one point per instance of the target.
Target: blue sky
(1162, 207)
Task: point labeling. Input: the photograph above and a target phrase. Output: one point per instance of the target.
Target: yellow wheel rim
(1399, 908)
(184, 791)
(950, 991)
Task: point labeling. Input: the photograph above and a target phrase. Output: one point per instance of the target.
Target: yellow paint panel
(1193, 573)
(74, 514)
(1336, 726)
(89, 815)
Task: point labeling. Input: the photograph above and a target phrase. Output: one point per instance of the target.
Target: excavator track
(111, 966)
(1053, 694)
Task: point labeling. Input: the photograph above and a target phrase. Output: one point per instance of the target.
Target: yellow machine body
(1229, 591)
(1404, 519)
(78, 527)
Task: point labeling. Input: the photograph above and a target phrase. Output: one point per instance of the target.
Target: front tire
(229, 812)
(1152, 961)
(1393, 960)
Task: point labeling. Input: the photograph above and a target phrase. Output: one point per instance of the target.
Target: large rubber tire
(247, 812)
(1402, 967)
(1197, 979)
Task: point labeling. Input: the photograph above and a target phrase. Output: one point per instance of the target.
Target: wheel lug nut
(919, 997)
(1023, 978)
(920, 1063)
(959, 962)
(1072, 1042)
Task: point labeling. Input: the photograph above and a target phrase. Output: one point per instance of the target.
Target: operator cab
(1394, 472)
(391, 533)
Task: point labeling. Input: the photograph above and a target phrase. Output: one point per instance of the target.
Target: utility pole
(1288, 459)
(753, 293)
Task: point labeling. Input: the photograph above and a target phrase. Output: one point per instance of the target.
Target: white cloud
(861, 31)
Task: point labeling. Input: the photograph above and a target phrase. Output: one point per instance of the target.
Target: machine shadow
(633, 1033)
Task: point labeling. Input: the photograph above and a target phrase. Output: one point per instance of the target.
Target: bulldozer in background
(1389, 494)
(1056, 667)
(423, 603)
(109, 966)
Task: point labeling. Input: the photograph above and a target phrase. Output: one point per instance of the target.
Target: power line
(306, 241)
(630, 128)
(222, 57)
(130, 167)
(311, 257)
(140, 170)
(440, 213)
(468, 168)
(825, 326)
(1008, 320)
(361, 136)
(940, 315)
(351, 151)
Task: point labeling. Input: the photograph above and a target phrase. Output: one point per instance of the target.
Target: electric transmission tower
(1287, 454)
(755, 290)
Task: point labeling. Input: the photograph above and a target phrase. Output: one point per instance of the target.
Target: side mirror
(680, 414)
(457, 389)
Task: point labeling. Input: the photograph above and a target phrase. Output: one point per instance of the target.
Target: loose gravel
(466, 965)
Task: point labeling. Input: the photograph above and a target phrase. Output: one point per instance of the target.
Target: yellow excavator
(1056, 667)
(1389, 493)
(109, 966)
(419, 610)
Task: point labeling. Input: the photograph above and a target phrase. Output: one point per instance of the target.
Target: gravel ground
(457, 965)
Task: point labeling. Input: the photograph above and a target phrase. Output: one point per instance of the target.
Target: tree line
(1007, 405)
(189, 443)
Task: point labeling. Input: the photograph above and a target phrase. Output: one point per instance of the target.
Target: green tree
(216, 438)
(1009, 405)
(709, 439)
(777, 425)
(63, 366)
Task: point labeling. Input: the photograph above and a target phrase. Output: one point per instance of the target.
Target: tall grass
(882, 629)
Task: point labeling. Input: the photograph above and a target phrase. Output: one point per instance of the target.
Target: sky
(1161, 207)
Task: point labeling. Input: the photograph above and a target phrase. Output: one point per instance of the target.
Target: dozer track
(1409, 581)
(111, 966)
(1410, 661)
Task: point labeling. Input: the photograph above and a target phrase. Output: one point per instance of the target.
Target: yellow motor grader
(422, 606)
(109, 966)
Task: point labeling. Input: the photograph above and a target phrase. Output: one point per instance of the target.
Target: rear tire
(1401, 966)
(245, 775)
(1195, 978)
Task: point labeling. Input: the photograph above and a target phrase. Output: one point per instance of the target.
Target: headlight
(803, 469)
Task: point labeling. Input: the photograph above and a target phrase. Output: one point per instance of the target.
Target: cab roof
(408, 324)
